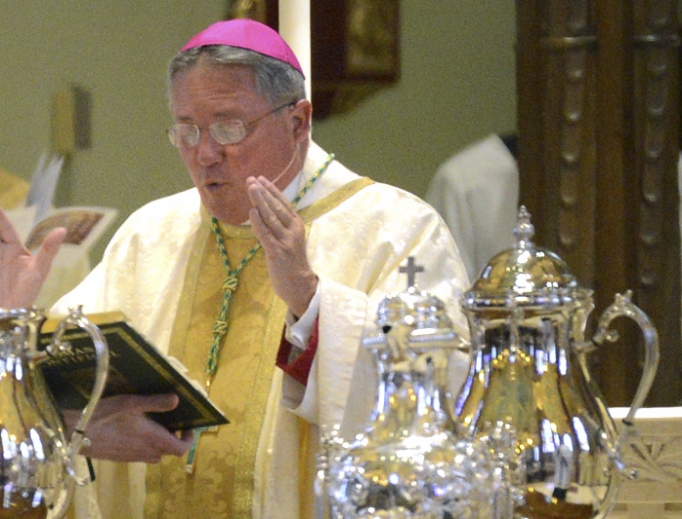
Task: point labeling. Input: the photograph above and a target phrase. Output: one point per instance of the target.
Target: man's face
(208, 93)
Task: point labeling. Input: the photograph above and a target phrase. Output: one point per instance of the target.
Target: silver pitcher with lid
(527, 317)
(411, 460)
(37, 464)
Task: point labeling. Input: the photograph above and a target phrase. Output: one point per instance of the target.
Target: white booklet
(84, 225)
(37, 217)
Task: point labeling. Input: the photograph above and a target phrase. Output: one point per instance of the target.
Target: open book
(36, 217)
(135, 367)
(84, 225)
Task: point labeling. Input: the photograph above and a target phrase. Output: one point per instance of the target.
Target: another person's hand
(281, 232)
(120, 429)
(22, 274)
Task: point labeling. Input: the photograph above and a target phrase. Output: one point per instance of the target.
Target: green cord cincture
(232, 279)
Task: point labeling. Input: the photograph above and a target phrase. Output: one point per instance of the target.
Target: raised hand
(22, 274)
(120, 429)
(281, 232)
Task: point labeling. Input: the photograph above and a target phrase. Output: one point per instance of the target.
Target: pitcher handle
(78, 439)
(623, 305)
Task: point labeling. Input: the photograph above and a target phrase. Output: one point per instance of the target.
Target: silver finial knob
(524, 230)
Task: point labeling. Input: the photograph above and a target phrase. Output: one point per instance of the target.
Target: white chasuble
(356, 241)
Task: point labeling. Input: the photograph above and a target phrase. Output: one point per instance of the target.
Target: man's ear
(301, 117)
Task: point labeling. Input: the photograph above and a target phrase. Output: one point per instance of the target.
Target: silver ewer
(37, 464)
(410, 461)
(527, 318)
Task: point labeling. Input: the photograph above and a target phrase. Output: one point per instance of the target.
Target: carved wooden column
(557, 122)
(598, 118)
(655, 142)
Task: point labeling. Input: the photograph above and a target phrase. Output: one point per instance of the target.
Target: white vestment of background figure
(476, 191)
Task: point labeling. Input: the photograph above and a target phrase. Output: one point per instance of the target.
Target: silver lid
(414, 308)
(413, 318)
(524, 275)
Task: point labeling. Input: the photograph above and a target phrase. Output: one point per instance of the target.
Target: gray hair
(275, 80)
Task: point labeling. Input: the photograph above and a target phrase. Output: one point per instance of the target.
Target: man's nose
(208, 150)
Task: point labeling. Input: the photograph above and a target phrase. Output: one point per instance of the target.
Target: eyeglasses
(184, 136)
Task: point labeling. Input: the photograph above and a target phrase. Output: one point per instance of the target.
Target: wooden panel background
(598, 123)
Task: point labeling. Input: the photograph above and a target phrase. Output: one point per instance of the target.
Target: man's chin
(225, 203)
(224, 212)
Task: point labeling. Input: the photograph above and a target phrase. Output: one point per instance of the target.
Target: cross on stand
(411, 270)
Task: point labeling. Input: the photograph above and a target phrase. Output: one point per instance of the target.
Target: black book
(135, 367)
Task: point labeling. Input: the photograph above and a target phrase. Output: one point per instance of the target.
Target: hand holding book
(121, 430)
(136, 368)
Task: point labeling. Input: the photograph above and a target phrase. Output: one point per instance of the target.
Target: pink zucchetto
(246, 34)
